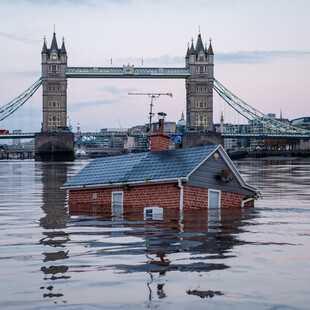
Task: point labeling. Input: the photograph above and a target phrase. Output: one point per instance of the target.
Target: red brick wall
(161, 195)
(159, 142)
(229, 200)
(195, 197)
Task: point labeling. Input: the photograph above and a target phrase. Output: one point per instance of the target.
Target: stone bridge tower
(199, 87)
(54, 142)
(54, 84)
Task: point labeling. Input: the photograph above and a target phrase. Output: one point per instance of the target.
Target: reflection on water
(283, 180)
(54, 222)
(254, 258)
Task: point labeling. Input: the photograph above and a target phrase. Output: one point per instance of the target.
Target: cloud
(19, 37)
(110, 89)
(240, 57)
(54, 2)
(35, 74)
(88, 3)
(78, 106)
(255, 57)
(159, 61)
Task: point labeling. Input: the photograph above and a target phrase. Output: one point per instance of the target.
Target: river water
(255, 258)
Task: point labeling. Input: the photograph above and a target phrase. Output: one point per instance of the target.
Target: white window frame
(112, 202)
(214, 214)
(217, 191)
(118, 192)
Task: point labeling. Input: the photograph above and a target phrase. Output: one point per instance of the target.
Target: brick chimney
(160, 141)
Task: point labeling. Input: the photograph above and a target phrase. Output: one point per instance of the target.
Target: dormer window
(201, 58)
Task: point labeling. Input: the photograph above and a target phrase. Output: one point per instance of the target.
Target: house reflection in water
(54, 223)
(198, 236)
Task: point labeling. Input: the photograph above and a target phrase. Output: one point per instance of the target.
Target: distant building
(303, 122)
(169, 127)
(18, 140)
(116, 143)
(181, 125)
(272, 115)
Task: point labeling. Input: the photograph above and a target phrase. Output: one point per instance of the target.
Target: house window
(117, 205)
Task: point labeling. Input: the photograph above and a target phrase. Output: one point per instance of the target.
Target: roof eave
(203, 161)
(231, 165)
(118, 184)
(236, 172)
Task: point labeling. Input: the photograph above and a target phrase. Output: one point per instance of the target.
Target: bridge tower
(199, 87)
(54, 84)
(54, 142)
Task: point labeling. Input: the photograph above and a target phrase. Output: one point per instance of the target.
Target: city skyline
(260, 56)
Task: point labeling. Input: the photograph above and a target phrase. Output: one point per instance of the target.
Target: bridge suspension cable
(16, 103)
(253, 115)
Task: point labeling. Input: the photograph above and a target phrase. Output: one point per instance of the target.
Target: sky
(261, 47)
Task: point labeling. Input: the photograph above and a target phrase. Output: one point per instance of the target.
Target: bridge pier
(54, 146)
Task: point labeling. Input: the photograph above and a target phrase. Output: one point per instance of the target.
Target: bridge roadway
(258, 135)
(134, 134)
(82, 134)
(128, 72)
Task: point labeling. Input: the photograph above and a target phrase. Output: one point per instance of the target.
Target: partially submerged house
(192, 178)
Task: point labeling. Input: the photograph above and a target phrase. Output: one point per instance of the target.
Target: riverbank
(291, 154)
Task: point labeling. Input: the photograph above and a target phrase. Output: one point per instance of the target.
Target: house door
(117, 205)
(214, 198)
(214, 210)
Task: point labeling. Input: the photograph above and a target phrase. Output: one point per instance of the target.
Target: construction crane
(153, 96)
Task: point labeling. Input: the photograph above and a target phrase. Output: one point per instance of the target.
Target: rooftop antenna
(153, 96)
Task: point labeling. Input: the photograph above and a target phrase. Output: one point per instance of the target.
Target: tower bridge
(198, 74)
(128, 72)
(56, 142)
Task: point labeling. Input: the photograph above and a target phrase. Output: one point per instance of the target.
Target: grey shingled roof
(137, 167)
